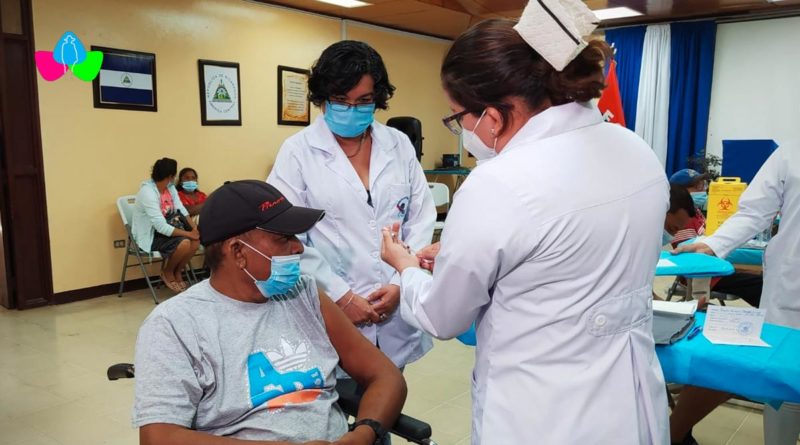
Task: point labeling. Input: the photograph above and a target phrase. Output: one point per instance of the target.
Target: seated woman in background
(191, 197)
(160, 223)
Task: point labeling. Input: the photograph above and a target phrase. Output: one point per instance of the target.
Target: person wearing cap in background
(696, 183)
(684, 221)
(365, 175)
(774, 189)
(548, 254)
(251, 353)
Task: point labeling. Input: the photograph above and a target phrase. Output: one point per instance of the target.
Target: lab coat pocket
(398, 200)
(614, 315)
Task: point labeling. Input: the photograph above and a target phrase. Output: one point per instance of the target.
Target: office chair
(412, 127)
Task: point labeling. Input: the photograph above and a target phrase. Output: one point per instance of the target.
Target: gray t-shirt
(259, 371)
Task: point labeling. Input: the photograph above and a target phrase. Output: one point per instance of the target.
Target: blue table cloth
(753, 257)
(694, 265)
(742, 255)
(690, 265)
(769, 375)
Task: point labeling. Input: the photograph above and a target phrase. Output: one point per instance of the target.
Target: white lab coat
(343, 250)
(776, 187)
(552, 247)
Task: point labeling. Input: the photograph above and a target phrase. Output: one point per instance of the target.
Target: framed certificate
(220, 93)
(293, 105)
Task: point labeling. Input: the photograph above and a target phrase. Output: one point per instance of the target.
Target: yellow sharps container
(723, 201)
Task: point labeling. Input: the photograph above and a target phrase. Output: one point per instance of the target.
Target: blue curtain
(628, 43)
(692, 64)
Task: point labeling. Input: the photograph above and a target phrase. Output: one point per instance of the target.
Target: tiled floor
(53, 388)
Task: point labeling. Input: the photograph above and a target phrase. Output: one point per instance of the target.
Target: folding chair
(409, 428)
(441, 197)
(125, 206)
(678, 289)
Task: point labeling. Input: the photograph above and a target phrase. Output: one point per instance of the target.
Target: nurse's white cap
(555, 29)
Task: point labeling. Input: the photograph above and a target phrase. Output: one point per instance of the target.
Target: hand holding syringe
(399, 255)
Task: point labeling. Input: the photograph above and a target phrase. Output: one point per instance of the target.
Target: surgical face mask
(348, 121)
(189, 186)
(283, 278)
(700, 199)
(666, 238)
(475, 145)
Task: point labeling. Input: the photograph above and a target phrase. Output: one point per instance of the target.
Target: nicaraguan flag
(126, 80)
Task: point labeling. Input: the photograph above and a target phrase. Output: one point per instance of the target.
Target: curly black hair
(341, 66)
(164, 168)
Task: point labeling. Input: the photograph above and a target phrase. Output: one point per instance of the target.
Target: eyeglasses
(453, 122)
(362, 107)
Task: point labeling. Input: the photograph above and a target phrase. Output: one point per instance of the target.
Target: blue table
(689, 265)
(768, 375)
(750, 257)
(743, 255)
(693, 265)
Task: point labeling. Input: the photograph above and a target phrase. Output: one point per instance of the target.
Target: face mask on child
(189, 186)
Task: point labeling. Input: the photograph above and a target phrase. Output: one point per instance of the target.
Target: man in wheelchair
(251, 353)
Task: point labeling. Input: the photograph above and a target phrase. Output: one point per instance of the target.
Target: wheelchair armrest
(120, 371)
(406, 427)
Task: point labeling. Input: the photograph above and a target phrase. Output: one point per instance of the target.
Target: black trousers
(744, 285)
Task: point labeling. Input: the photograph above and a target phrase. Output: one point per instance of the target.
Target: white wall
(755, 92)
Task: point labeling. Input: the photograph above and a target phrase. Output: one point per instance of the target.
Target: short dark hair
(490, 62)
(341, 66)
(183, 171)
(213, 255)
(164, 168)
(680, 198)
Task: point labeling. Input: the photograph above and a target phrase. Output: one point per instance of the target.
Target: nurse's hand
(385, 300)
(694, 248)
(395, 252)
(427, 256)
(357, 309)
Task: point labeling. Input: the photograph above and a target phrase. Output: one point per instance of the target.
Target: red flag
(610, 103)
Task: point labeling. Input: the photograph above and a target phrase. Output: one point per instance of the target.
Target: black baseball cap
(240, 206)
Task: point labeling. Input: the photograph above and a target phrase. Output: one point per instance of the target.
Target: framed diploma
(220, 93)
(293, 105)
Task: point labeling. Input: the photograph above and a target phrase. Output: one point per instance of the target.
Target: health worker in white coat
(775, 188)
(365, 175)
(549, 251)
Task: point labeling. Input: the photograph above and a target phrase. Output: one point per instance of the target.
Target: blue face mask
(189, 186)
(349, 121)
(700, 199)
(283, 278)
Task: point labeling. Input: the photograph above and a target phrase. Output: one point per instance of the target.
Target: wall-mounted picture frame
(127, 80)
(220, 93)
(293, 105)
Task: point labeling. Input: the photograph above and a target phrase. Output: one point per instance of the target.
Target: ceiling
(449, 18)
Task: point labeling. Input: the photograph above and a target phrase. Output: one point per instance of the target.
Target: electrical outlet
(119, 244)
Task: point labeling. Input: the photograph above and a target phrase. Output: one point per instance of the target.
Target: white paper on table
(665, 263)
(675, 307)
(734, 326)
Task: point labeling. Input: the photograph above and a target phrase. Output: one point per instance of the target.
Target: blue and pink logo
(69, 54)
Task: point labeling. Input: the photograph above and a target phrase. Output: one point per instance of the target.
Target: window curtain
(627, 43)
(692, 65)
(652, 106)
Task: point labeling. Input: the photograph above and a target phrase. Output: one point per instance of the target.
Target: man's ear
(235, 249)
